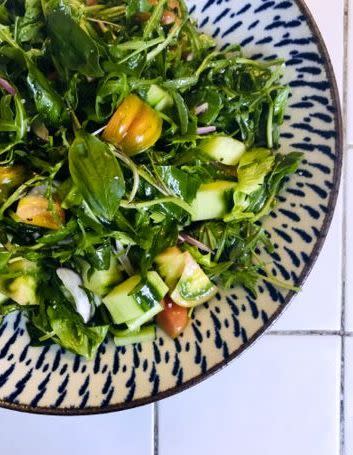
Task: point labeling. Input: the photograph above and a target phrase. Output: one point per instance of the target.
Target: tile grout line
(342, 434)
(347, 334)
(304, 333)
(155, 429)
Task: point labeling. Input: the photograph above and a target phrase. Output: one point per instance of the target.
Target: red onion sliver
(206, 130)
(201, 108)
(7, 86)
(191, 241)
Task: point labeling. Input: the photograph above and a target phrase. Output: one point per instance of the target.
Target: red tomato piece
(173, 319)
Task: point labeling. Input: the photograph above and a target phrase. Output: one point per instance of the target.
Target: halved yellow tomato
(11, 177)
(35, 210)
(134, 127)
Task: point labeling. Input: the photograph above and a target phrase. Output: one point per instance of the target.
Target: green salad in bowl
(137, 161)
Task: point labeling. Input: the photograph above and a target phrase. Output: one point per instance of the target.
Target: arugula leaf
(4, 15)
(4, 258)
(97, 174)
(153, 21)
(284, 165)
(55, 319)
(214, 101)
(73, 48)
(152, 240)
(134, 7)
(179, 182)
(99, 256)
(48, 103)
(8, 307)
(235, 242)
(110, 93)
(30, 26)
(13, 121)
(78, 338)
(182, 112)
(280, 104)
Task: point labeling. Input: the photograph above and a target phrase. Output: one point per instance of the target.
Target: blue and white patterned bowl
(50, 380)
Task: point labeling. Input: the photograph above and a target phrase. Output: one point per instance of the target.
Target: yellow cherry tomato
(35, 210)
(11, 177)
(134, 127)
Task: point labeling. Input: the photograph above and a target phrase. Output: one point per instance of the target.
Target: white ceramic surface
(348, 397)
(281, 398)
(350, 76)
(349, 242)
(128, 433)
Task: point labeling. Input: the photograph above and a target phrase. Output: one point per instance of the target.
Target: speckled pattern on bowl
(50, 380)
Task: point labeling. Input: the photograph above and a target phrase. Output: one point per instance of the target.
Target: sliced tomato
(134, 127)
(173, 319)
(11, 177)
(35, 210)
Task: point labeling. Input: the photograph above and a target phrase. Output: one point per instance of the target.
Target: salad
(136, 163)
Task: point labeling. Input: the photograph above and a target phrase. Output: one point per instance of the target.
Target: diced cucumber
(121, 305)
(135, 324)
(126, 337)
(3, 298)
(191, 286)
(100, 282)
(136, 308)
(213, 200)
(224, 149)
(194, 286)
(21, 289)
(170, 264)
(158, 98)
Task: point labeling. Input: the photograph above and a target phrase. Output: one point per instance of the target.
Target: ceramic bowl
(50, 380)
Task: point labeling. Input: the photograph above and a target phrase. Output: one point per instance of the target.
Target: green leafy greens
(65, 68)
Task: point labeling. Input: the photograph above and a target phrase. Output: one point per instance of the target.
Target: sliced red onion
(206, 130)
(7, 86)
(73, 283)
(201, 108)
(191, 241)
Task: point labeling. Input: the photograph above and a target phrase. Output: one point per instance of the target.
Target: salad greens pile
(136, 160)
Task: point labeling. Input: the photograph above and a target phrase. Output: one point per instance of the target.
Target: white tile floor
(348, 398)
(291, 408)
(275, 403)
(350, 76)
(349, 252)
(127, 433)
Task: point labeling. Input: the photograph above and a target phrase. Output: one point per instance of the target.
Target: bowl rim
(73, 411)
